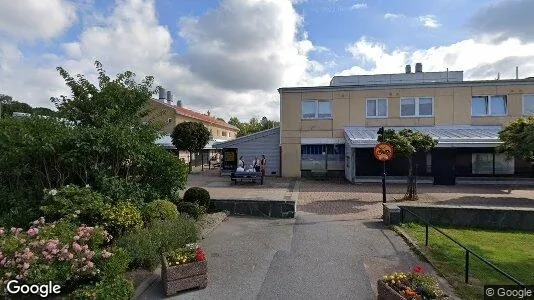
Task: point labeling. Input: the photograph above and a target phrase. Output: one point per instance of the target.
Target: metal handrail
(467, 250)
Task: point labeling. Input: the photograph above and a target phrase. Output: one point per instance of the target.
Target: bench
(246, 176)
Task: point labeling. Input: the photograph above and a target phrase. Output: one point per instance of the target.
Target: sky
(231, 56)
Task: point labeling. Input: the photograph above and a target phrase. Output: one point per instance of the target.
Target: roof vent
(161, 94)
(408, 69)
(418, 68)
(169, 96)
(179, 103)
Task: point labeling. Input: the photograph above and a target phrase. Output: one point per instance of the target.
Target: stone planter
(183, 277)
(385, 292)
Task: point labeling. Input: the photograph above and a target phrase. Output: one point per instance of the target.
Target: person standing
(263, 165)
(241, 163)
(256, 164)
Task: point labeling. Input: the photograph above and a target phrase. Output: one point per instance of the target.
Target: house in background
(167, 113)
(332, 129)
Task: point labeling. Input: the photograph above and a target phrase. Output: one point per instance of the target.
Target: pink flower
(76, 238)
(77, 247)
(89, 254)
(71, 256)
(51, 245)
(2, 231)
(32, 232)
(25, 266)
(27, 255)
(106, 254)
(90, 265)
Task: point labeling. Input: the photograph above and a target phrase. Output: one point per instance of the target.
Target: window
(316, 109)
(224, 133)
(483, 163)
(489, 105)
(377, 108)
(528, 105)
(417, 107)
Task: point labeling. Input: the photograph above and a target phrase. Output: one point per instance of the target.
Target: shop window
(483, 163)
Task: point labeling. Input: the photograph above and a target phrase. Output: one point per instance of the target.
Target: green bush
(193, 210)
(197, 195)
(86, 203)
(122, 218)
(116, 288)
(145, 245)
(159, 210)
(115, 265)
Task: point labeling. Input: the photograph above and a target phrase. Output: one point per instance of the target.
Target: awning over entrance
(447, 136)
(166, 143)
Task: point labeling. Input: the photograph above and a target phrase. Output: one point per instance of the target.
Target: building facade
(332, 129)
(168, 114)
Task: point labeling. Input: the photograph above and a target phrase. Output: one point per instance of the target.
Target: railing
(468, 251)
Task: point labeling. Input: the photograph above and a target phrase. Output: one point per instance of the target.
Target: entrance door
(443, 166)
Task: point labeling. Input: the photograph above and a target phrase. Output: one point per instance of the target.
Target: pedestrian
(256, 164)
(263, 165)
(241, 163)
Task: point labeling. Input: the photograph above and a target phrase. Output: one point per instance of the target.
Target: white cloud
(391, 16)
(479, 60)
(36, 19)
(429, 21)
(358, 6)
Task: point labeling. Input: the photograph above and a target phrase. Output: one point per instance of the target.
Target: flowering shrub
(159, 210)
(191, 253)
(86, 203)
(122, 217)
(415, 285)
(61, 252)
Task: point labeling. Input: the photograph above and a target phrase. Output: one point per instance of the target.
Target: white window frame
(523, 105)
(316, 117)
(489, 106)
(376, 116)
(416, 107)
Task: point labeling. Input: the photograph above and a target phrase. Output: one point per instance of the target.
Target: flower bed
(184, 269)
(414, 286)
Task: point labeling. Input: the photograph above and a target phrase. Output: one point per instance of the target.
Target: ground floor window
(491, 163)
(320, 158)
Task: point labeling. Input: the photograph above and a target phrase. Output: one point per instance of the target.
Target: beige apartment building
(169, 114)
(332, 129)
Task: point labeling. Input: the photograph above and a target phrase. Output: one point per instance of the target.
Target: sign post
(383, 152)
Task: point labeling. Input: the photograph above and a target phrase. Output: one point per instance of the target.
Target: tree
(518, 139)
(191, 137)
(253, 125)
(406, 143)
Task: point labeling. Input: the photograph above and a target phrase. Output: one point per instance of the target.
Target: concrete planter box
(183, 277)
(385, 292)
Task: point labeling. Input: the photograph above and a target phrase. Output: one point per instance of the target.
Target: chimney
(418, 68)
(161, 94)
(517, 72)
(179, 103)
(169, 97)
(408, 69)
(209, 114)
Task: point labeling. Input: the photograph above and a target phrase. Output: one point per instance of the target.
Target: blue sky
(230, 56)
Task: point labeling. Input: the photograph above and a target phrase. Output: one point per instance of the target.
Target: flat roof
(526, 81)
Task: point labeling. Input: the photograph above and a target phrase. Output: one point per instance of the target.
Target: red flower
(200, 256)
(417, 269)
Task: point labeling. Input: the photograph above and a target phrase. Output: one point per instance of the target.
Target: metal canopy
(447, 136)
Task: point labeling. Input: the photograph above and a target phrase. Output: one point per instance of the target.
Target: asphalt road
(309, 257)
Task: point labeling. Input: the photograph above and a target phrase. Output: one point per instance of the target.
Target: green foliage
(518, 139)
(122, 217)
(116, 288)
(159, 210)
(144, 246)
(407, 142)
(9, 106)
(192, 209)
(113, 266)
(103, 143)
(190, 136)
(197, 195)
(87, 204)
(252, 126)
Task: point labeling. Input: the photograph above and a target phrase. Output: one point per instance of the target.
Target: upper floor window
(224, 133)
(489, 105)
(377, 108)
(528, 105)
(417, 107)
(316, 109)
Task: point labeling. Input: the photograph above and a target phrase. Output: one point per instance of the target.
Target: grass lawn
(511, 251)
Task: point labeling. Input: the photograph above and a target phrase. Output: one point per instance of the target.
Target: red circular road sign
(383, 152)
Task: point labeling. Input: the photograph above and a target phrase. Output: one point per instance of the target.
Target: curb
(206, 231)
(147, 282)
(419, 252)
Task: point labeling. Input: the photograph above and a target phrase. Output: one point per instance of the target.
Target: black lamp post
(381, 132)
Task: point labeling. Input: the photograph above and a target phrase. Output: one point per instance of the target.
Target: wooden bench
(246, 176)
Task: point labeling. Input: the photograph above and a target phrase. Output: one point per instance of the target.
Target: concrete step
(257, 208)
